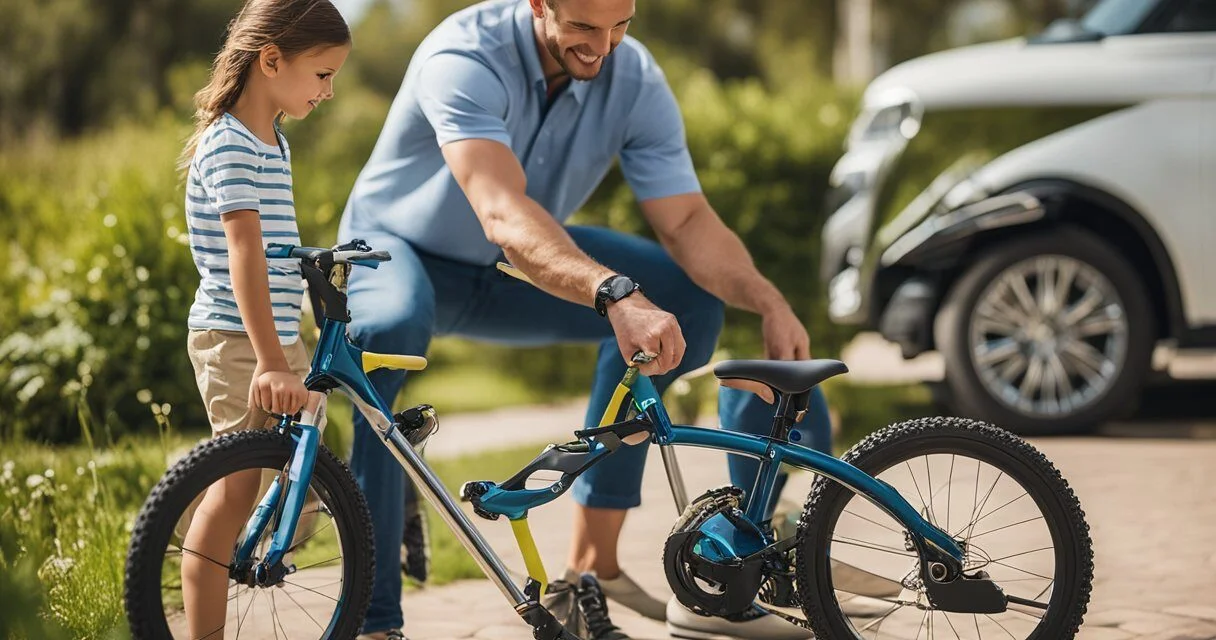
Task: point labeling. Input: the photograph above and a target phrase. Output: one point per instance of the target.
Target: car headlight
(895, 115)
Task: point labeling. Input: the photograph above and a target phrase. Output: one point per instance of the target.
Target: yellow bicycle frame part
(373, 361)
(527, 546)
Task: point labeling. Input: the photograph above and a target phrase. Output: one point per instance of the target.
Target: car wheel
(1051, 333)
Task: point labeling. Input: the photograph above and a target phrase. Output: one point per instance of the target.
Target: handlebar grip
(641, 357)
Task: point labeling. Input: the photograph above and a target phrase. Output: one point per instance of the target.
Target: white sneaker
(755, 625)
(625, 592)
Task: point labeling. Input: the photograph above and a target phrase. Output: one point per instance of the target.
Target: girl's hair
(294, 26)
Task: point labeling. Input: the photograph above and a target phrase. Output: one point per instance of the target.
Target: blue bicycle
(935, 527)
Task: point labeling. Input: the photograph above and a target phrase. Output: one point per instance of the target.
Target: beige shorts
(224, 363)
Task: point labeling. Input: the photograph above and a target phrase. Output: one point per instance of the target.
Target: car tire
(974, 317)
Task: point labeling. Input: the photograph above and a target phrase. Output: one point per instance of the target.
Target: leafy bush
(99, 278)
(763, 157)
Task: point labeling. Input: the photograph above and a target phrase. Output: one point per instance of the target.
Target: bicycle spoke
(998, 623)
(274, 617)
(240, 621)
(215, 631)
(880, 619)
(298, 569)
(1024, 494)
(294, 601)
(1040, 594)
(1022, 570)
(949, 492)
(997, 560)
(309, 589)
(918, 493)
(929, 474)
(311, 535)
(895, 531)
(874, 547)
(970, 526)
(1006, 527)
(922, 624)
(947, 617)
(237, 595)
(199, 555)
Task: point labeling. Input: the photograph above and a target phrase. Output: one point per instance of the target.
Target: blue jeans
(744, 411)
(398, 307)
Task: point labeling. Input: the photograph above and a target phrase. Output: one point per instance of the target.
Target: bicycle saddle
(786, 376)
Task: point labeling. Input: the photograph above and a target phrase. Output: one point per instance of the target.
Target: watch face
(621, 287)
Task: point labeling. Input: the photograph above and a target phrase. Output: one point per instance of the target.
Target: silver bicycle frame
(433, 490)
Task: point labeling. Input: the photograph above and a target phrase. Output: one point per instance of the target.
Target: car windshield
(1116, 17)
(1106, 18)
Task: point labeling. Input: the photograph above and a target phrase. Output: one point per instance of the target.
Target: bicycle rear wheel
(1006, 504)
(326, 595)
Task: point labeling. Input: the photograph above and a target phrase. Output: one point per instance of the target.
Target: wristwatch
(614, 289)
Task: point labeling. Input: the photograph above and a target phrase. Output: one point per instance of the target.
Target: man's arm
(532, 240)
(716, 259)
(495, 184)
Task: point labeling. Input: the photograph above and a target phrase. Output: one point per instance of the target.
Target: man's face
(580, 33)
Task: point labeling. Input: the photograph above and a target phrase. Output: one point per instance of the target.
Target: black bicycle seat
(786, 376)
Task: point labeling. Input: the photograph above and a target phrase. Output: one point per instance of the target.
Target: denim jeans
(398, 307)
(744, 411)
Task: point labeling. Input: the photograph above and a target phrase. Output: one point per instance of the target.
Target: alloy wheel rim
(1048, 336)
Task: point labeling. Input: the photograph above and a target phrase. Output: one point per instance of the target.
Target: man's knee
(701, 323)
(393, 328)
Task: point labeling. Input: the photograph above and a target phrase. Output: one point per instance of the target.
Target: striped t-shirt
(233, 170)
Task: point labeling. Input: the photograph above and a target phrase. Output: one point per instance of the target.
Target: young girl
(280, 58)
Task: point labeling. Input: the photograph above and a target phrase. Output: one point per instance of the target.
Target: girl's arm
(275, 387)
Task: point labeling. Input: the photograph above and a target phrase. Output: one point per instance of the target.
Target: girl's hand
(280, 392)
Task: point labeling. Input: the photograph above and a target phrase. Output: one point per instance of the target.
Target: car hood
(1014, 72)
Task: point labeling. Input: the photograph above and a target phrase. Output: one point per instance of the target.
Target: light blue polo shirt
(478, 75)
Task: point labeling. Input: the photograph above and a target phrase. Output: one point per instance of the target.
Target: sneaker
(625, 592)
(415, 552)
(593, 612)
(559, 599)
(753, 624)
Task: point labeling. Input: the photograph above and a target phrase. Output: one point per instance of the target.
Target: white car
(1040, 211)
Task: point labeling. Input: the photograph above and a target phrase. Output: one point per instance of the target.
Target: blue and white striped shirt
(233, 170)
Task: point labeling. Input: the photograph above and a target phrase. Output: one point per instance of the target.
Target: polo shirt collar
(525, 40)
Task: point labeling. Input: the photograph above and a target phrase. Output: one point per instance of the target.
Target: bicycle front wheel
(326, 593)
(858, 575)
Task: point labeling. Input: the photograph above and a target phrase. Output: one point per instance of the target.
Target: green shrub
(99, 278)
(763, 157)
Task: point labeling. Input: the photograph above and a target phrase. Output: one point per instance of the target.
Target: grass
(65, 514)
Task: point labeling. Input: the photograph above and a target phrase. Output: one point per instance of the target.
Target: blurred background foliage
(95, 100)
(96, 278)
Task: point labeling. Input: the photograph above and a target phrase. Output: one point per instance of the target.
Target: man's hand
(785, 337)
(275, 391)
(641, 326)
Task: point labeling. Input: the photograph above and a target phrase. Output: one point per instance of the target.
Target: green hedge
(98, 278)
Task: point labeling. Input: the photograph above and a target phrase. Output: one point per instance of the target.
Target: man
(510, 114)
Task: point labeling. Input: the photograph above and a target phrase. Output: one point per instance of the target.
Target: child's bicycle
(936, 527)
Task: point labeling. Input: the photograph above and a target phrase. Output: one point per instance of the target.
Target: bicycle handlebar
(355, 252)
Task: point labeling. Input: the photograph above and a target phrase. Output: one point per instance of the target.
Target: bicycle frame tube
(773, 453)
(337, 360)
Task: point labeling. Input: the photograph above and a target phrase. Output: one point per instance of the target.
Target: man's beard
(556, 52)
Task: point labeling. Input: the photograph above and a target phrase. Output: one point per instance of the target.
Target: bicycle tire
(221, 457)
(900, 442)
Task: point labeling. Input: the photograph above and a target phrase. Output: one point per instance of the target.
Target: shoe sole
(691, 634)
